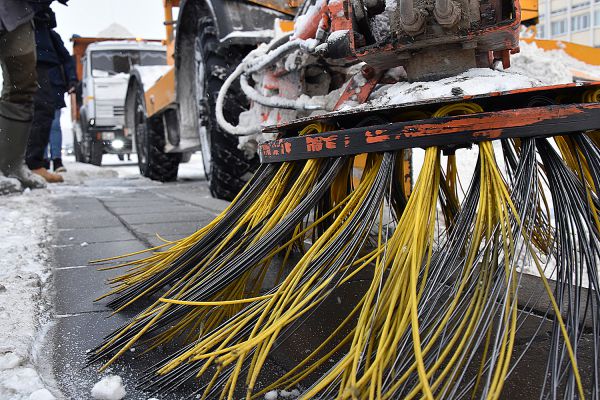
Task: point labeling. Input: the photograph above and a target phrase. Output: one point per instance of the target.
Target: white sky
(143, 18)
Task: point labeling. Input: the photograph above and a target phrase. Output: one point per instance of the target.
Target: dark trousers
(43, 114)
(17, 60)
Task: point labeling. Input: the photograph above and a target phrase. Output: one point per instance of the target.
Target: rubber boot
(9, 185)
(13, 143)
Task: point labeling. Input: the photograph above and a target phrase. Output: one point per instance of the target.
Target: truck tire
(226, 167)
(86, 143)
(77, 145)
(96, 151)
(153, 162)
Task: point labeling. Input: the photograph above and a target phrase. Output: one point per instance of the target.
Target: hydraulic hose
(248, 67)
(446, 13)
(273, 56)
(413, 22)
(234, 130)
(275, 101)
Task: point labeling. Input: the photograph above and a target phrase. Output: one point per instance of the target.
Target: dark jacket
(52, 56)
(14, 13)
(63, 76)
(44, 21)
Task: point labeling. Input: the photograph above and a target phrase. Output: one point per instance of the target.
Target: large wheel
(153, 162)
(77, 145)
(96, 152)
(226, 167)
(86, 144)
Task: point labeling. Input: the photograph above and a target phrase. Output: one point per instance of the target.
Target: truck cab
(105, 68)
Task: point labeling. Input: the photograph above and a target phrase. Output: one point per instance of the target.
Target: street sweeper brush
(443, 305)
(508, 184)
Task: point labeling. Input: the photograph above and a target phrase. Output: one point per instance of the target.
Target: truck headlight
(117, 144)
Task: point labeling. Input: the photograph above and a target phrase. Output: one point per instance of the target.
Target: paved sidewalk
(110, 224)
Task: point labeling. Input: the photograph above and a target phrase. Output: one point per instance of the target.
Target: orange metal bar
(169, 31)
(162, 94)
(446, 131)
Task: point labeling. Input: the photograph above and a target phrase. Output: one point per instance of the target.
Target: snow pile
(80, 173)
(24, 270)
(550, 66)
(272, 395)
(151, 73)
(282, 394)
(109, 388)
(115, 30)
(473, 82)
(42, 394)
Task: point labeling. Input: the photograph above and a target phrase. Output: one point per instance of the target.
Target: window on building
(540, 31)
(597, 18)
(580, 22)
(580, 5)
(559, 11)
(558, 27)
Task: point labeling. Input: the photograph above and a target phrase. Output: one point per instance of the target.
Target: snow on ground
(282, 394)
(27, 225)
(109, 388)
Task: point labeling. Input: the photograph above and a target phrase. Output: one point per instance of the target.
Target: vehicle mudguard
(229, 16)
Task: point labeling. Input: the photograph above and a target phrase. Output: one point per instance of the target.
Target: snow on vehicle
(103, 67)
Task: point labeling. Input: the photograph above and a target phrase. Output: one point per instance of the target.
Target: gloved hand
(72, 87)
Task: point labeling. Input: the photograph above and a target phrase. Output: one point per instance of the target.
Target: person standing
(63, 78)
(18, 60)
(45, 98)
(54, 150)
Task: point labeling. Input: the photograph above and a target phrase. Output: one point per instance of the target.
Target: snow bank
(42, 394)
(24, 270)
(552, 66)
(282, 394)
(109, 388)
(272, 395)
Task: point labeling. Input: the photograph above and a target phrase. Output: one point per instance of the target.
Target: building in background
(576, 21)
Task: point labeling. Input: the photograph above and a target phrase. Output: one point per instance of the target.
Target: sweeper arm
(516, 114)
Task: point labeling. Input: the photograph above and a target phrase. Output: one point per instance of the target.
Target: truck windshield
(112, 62)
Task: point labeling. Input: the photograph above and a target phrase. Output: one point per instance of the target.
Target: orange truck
(97, 107)
(172, 115)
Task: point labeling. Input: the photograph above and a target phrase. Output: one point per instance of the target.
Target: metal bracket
(447, 131)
